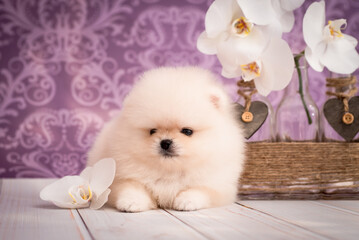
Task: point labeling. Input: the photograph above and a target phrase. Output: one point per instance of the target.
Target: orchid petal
(313, 60)
(70, 204)
(80, 194)
(340, 56)
(103, 173)
(86, 173)
(248, 76)
(313, 24)
(78, 191)
(327, 45)
(207, 45)
(58, 190)
(229, 71)
(291, 5)
(326, 33)
(238, 51)
(351, 39)
(101, 200)
(251, 70)
(277, 66)
(219, 16)
(338, 24)
(258, 12)
(284, 11)
(287, 20)
(262, 90)
(332, 31)
(273, 30)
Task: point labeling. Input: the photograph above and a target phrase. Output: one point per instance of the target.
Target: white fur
(192, 199)
(208, 164)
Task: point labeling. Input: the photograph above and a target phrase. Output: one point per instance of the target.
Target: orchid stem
(296, 60)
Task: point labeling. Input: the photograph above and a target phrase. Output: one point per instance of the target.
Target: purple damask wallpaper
(66, 66)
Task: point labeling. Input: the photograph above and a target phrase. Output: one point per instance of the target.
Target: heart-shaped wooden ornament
(259, 111)
(334, 112)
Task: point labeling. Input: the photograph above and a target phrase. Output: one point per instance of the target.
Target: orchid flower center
(242, 27)
(251, 70)
(335, 28)
(80, 194)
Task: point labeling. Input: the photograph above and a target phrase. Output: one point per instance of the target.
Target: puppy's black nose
(165, 144)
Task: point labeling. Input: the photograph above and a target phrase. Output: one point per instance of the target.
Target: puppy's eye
(153, 130)
(187, 131)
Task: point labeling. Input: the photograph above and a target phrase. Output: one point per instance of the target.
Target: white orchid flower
(273, 71)
(90, 189)
(276, 14)
(243, 42)
(238, 30)
(231, 35)
(327, 46)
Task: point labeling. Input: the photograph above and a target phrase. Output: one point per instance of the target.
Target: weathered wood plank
(324, 220)
(110, 224)
(351, 206)
(238, 222)
(23, 215)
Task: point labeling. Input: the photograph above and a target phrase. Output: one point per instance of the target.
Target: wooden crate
(301, 170)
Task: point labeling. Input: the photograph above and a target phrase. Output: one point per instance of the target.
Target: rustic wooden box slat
(301, 170)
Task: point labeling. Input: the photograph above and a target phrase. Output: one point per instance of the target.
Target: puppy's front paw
(138, 203)
(191, 199)
(132, 198)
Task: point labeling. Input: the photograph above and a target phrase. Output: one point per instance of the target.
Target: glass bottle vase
(297, 116)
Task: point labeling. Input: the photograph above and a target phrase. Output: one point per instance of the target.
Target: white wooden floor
(23, 215)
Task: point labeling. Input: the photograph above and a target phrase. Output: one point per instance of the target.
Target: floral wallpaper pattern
(66, 66)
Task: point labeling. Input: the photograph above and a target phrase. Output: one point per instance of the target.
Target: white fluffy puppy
(177, 143)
